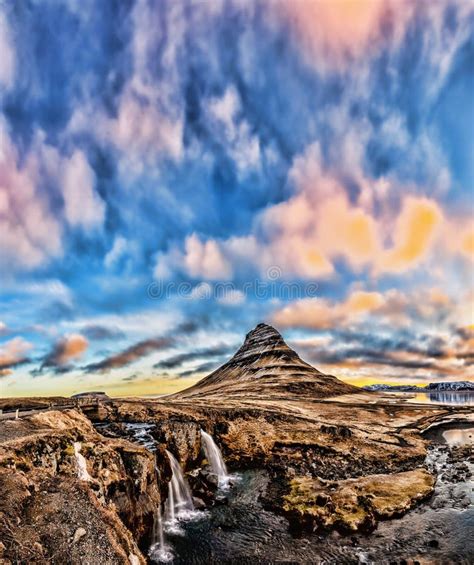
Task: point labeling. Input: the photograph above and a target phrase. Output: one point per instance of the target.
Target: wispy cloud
(175, 361)
(130, 354)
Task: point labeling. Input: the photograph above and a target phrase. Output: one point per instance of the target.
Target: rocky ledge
(342, 463)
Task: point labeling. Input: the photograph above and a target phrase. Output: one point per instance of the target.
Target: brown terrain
(338, 457)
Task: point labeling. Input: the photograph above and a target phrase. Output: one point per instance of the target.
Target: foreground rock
(361, 454)
(49, 515)
(354, 504)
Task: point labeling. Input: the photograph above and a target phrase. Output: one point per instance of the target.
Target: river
(241, 531)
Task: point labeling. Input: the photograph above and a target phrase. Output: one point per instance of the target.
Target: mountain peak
(264, 332)
(262, 339)
(266, 365)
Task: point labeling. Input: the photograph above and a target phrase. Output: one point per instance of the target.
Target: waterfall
(82, 472)
(159, 551)
(180, 501)
(171, 506)
(216, 462)
(17, 414)
(158, 534)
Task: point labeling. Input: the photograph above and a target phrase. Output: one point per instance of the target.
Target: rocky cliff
(54, 511)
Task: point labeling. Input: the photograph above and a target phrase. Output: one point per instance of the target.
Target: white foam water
(179, 506)
(82, 472)
(216, 461)
(160, 551)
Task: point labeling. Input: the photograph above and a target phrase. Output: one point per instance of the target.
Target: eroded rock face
(46, 503)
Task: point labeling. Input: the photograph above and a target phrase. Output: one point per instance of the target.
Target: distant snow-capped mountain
(431, 387)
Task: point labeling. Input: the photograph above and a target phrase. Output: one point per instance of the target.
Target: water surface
(459, 398)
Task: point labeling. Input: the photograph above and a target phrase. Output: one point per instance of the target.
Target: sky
(174, 172)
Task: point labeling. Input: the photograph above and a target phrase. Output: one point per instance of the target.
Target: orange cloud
(361, 301)
(392, 307)
(320, 224)
(321, 314)
(346, 231)
(467, 244)
(65, 350)
(334, 28)
(415, 232)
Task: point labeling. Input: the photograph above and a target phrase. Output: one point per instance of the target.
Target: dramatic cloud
(30, 231)
(208, 352)
(407, 355)
(205, 260)
(325, 143)
(7, 60)
(67, 349)
(99, 333)
(392, 307)
(414, 234)
(307, 233)
(335, 28)
(203, 368)
(131, 354)
(233, 133)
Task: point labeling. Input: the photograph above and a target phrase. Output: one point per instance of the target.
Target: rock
(199, 503)
(38, 548)
(78, 534)
(354, 504)
(434, 543)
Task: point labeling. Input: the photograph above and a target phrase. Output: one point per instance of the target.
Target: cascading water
(180, 501)
(170, 503)
(179, 507)
(82, 472)
(215, 459)
(159, 550)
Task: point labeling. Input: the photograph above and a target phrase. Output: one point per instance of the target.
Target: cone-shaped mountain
(265, 365)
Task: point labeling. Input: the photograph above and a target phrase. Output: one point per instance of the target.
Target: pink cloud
(205, 260)
(12, 353)
(30, 232)
(335, 31)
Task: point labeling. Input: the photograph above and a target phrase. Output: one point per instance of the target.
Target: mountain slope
(265, 365)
